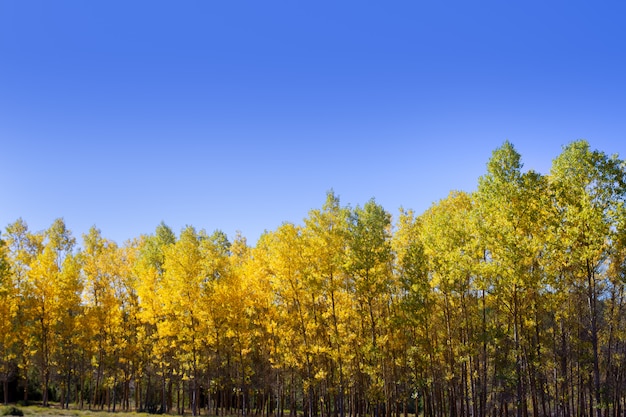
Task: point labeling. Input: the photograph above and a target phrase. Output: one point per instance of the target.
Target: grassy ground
(53, 411)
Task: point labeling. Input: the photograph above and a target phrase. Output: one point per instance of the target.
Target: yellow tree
(513, 217)
(45, 288)
(589, 189)
(615, 334)
(131, 327)
(451, 254)
(23, 247)
(414, 324)
(239, 311)
(105, 273)
(326, 237)
(262, 318)
(156, 349)
(370, 263)
(68, 325)
(254, 283)
(288, 269)
(182, 294)
(7, 321)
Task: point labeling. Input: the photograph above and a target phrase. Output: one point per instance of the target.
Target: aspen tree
(416, 306)
(44, 294)
(103, 269)
(615, 335)
(252, 266)
(369, 264)
(23, 247)
(182, 296)
(7, 321)
(326, 233)
(450, 251)
(288, 269)
(157, 353)
(68, 325)
(510, 229)
(590, 188)
(130, 330)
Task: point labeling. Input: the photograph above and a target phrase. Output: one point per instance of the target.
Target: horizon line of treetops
(505, 301)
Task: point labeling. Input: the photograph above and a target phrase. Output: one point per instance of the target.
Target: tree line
(508, 300)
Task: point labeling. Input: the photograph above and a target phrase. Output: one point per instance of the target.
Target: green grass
(55, 411)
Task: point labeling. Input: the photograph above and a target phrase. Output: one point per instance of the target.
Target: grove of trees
(509, 300)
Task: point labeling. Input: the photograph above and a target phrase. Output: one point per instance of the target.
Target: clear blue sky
(240, 115)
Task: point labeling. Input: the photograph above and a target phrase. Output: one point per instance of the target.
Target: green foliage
(506, 300)
(12, 411)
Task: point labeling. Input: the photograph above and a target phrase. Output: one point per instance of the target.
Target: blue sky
(240, 115)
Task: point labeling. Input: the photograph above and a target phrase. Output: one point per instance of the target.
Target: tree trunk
(5, 389)
(594, 340)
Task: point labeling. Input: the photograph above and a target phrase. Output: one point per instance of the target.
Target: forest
(504, 301)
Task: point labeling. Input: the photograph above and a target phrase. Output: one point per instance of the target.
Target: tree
(7, 313)
(590, 188)
(45, 297)
(513, 220)
(369, 264)
(511, 299)
(130, 327)
(23, 247)
(182, 292)
(67, 327)
(451, 252)
(287, 267)
(413, 326)
(326, 235)
(157, 353)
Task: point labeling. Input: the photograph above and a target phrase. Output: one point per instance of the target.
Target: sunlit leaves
(507, 299)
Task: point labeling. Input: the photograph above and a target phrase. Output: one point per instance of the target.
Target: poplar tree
(326, 233)
(369, 264)
(451, 253)
(513, 227)
(45, 298)
(183, 297)
(103, 269)
(414, 324)
(157, 355)
(7, 321)
(590, 189)
(23, 246)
